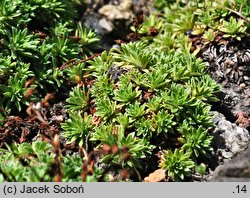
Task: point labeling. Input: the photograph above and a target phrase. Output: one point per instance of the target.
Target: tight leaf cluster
(36, 38)
(163, 101)
(34, 163)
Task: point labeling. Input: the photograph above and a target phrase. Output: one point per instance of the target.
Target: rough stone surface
(235, 170)
(106, 25)
(111, 19)
(121, 11)
(229, 139)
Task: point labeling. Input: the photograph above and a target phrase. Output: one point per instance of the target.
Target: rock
(236, 170)
(229, 139)
(156, 176)
(106, 25)
(111, 19)
(91, 20)
(235, 99)
(113, 12)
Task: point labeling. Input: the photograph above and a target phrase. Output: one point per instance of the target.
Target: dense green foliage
(150, 96)
(37, 37)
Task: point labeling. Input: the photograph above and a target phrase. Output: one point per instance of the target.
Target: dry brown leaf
(47, 98)
(96, 120)
(242, 119)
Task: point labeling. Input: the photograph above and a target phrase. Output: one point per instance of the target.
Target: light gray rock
(235, 170)
(106, 25)
(229, 139)
(121, 11)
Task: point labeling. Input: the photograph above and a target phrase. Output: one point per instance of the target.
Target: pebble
(106, 25)
(246, 78)
(242, 85)
(113, 12)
